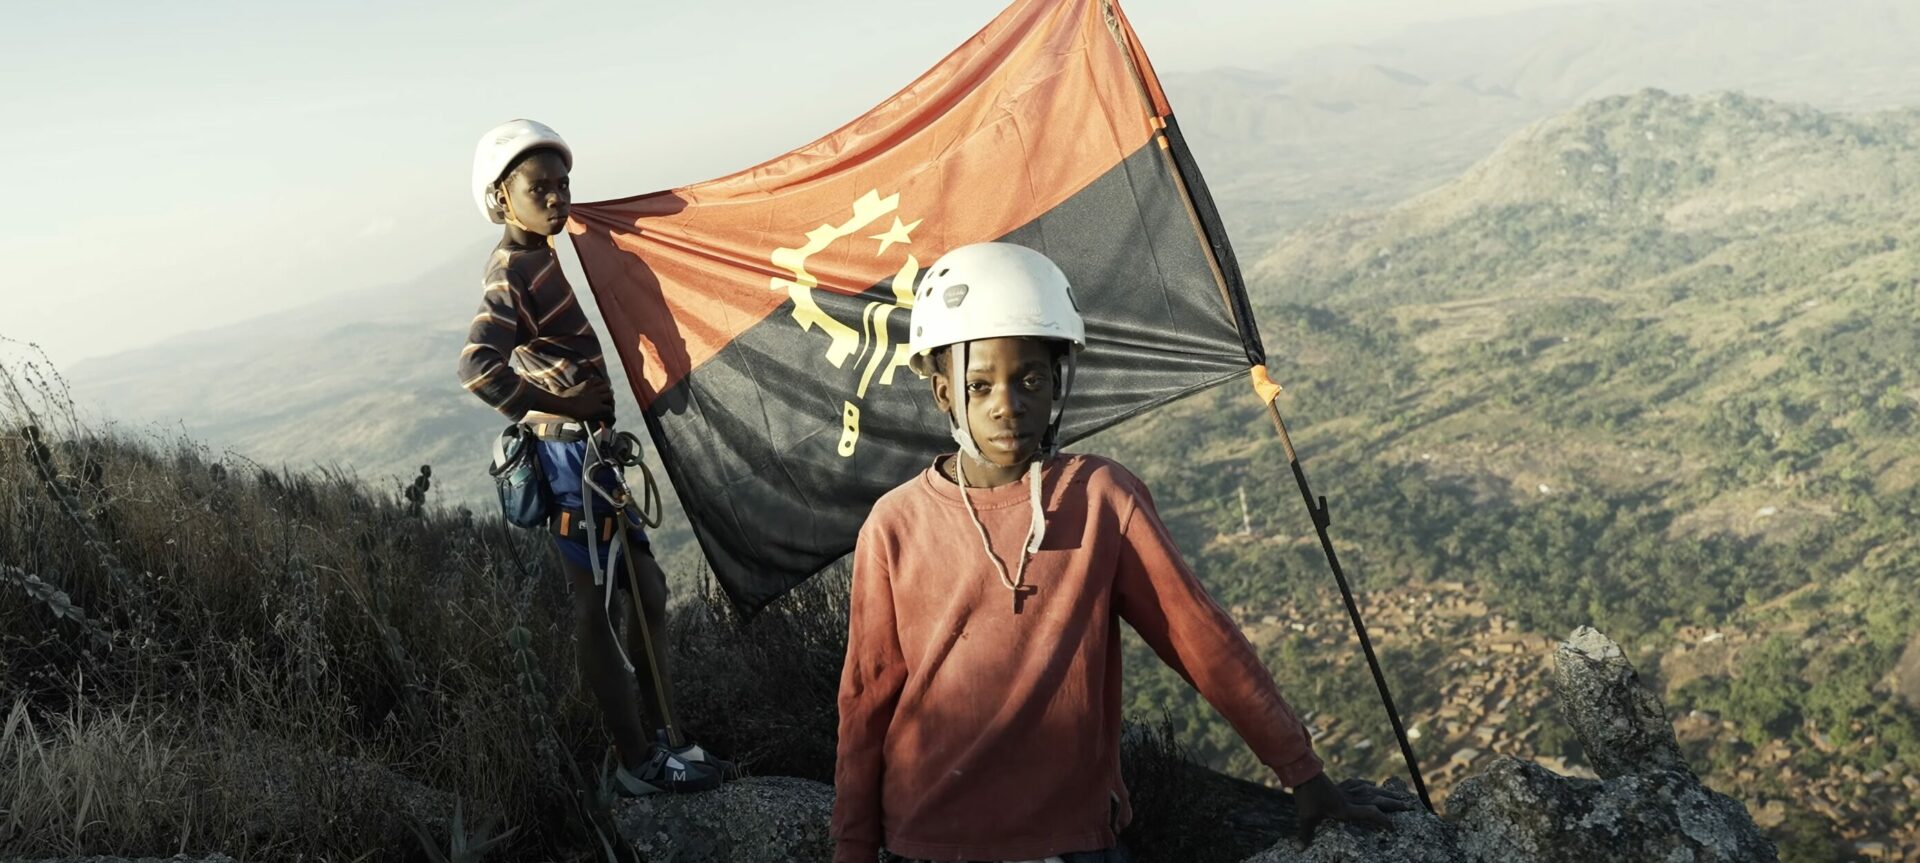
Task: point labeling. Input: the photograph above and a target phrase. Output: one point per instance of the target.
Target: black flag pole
(1317, 507)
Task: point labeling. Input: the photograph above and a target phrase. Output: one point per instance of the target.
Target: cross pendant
(1020, 595)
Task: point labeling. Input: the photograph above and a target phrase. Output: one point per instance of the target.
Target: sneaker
(693, 753)
(665, 772)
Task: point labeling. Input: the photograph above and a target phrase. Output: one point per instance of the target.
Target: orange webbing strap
(1263, 385)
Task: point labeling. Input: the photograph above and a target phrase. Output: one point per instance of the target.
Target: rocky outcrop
(1647, 805)
(1518, 810)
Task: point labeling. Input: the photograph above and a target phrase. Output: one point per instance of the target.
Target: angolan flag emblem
(872, 346)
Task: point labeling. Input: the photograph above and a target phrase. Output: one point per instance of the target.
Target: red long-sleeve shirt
(969, 732)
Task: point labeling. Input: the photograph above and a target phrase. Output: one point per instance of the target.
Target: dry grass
(85, 780)
(765, 689)
(218, 657)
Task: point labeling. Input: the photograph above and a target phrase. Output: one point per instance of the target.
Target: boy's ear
(942, 392)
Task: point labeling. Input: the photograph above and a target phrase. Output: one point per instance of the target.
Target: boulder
(1621, 724)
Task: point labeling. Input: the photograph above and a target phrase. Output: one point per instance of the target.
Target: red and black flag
(763, 316)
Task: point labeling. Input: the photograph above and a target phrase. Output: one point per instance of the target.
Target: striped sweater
(528, 315)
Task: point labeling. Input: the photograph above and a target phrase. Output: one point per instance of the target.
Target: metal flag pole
(1317, 507)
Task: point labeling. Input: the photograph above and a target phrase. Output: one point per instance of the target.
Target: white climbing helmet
(990, 291)
(504, 143)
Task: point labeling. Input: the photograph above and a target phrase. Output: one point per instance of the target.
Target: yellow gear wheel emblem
(844, 341)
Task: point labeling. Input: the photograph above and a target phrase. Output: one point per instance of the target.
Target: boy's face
(539, 192)
(1009, 396)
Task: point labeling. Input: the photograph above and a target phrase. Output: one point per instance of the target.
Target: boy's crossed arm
(485, 372)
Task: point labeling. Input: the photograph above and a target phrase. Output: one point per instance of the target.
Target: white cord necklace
(1037, 529)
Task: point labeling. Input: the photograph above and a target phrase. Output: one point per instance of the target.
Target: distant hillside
(1678, 178)
(1342, 127)
(362, 379)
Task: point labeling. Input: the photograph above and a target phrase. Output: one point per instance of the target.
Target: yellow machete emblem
(845, 342)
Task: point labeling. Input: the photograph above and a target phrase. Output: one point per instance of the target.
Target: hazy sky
(173, 166)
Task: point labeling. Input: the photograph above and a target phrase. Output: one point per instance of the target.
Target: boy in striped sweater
(530, 318)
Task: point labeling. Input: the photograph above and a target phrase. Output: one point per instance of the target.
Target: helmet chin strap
(1050, 443)
(962, 432)
(506, 208)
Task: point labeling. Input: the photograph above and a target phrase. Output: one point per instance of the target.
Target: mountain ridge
(1706, 167)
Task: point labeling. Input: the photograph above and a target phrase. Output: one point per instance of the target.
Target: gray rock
(1621, 724)
(771, 819)
(1648, 805)
(1518, 810)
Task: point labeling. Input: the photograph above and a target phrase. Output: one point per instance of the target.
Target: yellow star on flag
(896, 234)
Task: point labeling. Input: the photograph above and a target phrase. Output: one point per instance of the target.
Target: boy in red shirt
(977, 724)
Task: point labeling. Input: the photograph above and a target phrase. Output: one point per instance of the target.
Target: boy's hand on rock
(1354, 801)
